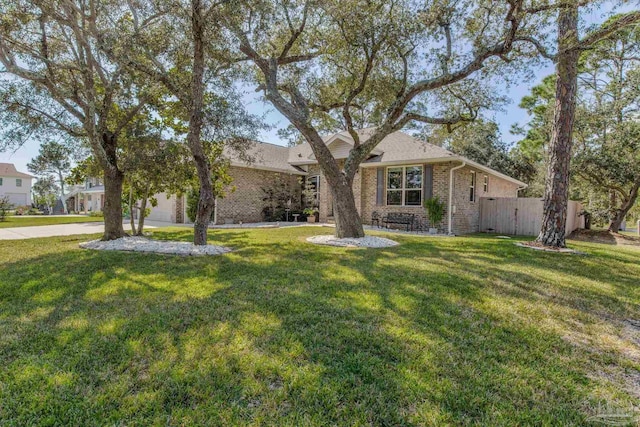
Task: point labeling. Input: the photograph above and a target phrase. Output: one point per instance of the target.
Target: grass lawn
(31, 221)
(436, 331)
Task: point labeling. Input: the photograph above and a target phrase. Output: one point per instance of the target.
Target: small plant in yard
(311, 214)
(96, 214)
(310, 197)
(282, 195)
(435, 213)
(4, 207)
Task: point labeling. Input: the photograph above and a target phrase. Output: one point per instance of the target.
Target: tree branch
(539, 47)
(610, 28)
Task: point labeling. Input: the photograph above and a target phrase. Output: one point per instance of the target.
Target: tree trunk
(113, 180)
(621, 213)
(62, 199)
(203, 218)
(557, 186)
(348, 222)
(206, 203)
(132, 217)
(142, 215)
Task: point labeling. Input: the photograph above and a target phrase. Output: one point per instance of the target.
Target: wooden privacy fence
(521, 216)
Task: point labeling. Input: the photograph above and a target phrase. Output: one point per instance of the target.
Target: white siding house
(15, 185)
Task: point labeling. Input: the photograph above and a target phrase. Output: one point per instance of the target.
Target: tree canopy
(57, 78)
(349, 64)
(605, 163)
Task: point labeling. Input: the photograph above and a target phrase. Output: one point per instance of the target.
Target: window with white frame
(313, 185)
(0, 181)
(485, 184)
(472, 188)
(404, 186)
(18, 182)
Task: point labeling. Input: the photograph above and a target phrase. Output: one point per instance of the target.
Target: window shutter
(380, 187)
(427, 182)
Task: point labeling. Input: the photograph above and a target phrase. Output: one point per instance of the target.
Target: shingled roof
(9, 170)
(265, 156)
(395, 148)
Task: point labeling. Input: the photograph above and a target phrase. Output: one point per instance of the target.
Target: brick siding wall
(467, 213)
(246, 202)
(466, 218)
(369, 202)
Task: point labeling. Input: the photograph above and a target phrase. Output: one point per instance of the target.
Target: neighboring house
(15, 185)
(87, 197)
(398, 176)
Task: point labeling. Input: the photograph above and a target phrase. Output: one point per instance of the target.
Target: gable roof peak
(9, 169)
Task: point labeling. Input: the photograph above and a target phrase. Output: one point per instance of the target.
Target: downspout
(450, 210)
(215, 211)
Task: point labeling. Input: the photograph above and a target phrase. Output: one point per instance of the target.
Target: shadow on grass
(282, 332)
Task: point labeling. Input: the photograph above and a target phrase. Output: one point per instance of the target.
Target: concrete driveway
(19, 233)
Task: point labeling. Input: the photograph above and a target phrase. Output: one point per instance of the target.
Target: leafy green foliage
(435, 211)
(605, 165)
(46, 191)
(54, 158)
(607, 159)
(5, 206)
(533, 148)
(284, 192)
(481, 141)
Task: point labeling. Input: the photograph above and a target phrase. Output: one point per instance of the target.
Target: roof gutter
(450, 209)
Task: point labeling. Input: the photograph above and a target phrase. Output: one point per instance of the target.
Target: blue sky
(510, 114)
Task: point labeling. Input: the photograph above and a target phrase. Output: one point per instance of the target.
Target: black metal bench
(399, 219)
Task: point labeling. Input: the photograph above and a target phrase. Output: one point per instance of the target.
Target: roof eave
(443, 160)
(268, 168)
(17, 175)
(493, 172)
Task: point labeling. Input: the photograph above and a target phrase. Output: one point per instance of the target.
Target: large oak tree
(178, 43)
(61, 81)
(345, 64)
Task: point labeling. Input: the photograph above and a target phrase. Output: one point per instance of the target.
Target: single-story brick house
(399, 175)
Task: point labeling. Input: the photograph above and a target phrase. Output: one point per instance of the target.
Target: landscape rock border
(361, 242)
(145, 245)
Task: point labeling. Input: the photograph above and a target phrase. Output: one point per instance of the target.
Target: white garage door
(163, 211)
(17, 199)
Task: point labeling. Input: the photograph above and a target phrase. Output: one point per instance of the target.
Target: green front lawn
(436, 331)
(31, 221)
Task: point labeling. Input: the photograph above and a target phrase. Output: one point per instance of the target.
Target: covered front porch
(86, 200)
